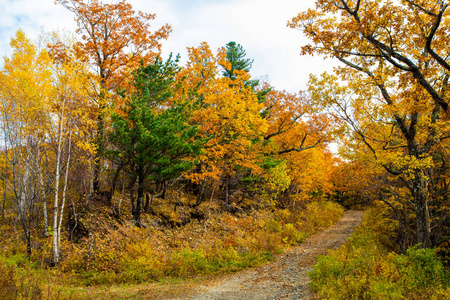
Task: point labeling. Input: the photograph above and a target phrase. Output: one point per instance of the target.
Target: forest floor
(284, 278)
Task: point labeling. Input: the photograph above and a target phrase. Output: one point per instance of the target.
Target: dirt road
(285, 278)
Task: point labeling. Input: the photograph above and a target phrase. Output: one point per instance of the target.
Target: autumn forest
(121, 167)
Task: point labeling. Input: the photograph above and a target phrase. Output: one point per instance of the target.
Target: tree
(295, 122)
(408, 38)
(228, 116)
(236, 61)
(70, 125)
(43, 117)
(151, 136)
(115, 39)
(396, 68)
(25, 92)
(235, 55)
(398, 129)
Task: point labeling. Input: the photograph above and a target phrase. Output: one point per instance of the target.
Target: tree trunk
(100, 139)
(4, 197)
(131, 190)
(148, 202)
(64, 189)
(227, 193)
(420, 194)
(44, 201)
(114, 182)
(55, 248)
(202, 194)
(97, 166)
(25, 207)
(56, 230)
(139, 201)
(27, 233)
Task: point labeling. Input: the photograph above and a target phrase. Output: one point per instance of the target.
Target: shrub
(363, 268)
(225, 243)
(8, 288)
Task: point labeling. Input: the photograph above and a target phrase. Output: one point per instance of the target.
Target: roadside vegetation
(368, 267)
(121, 253)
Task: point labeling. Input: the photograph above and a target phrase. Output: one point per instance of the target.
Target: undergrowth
(22, 279)
(225, 243)
(364, 268)
(220, 244)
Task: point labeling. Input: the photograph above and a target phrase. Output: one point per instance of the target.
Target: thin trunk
(164, 190)
(100, 140)
(131, 189)
(149, 201)
(44, 202)
(227, 193)
(114, 182)
(209, 211)
(202, 194)
(4, 197)
(407, 238)
(23, 208)
(139, 201)
(27, 233)
(45, 216)
(96, 175)
(65, 188)
(55, 240)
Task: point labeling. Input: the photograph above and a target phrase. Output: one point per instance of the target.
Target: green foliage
(21, 279)
(149, 134)
(190, 262)
(236, 57)
(364, 269)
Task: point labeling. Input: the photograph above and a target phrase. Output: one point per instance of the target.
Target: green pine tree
(151, 136)
(236, 56)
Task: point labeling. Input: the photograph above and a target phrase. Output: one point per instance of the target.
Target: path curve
(285, 278)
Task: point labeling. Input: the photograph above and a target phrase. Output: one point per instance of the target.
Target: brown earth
(284, 278)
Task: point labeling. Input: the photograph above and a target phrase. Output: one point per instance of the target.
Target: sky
(258, 25)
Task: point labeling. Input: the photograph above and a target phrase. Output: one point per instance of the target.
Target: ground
(284, 278)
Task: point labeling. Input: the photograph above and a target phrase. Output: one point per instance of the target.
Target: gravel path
(285, 278)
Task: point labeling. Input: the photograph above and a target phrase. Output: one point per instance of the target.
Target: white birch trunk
(56, 230)
(64, 189)
(44, 202)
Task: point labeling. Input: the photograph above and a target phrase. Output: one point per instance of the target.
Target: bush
(226, 243)
(363, 268)
(20, 279)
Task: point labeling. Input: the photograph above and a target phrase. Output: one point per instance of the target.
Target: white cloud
(258, 25)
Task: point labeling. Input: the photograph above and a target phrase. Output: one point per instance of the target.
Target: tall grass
(221, 244)
(364, 268)
(230, 243)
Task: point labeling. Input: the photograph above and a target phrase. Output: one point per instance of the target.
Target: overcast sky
(258, 25)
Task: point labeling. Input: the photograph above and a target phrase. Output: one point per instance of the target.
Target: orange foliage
(294, 122)
(228, 115)
(115, 38)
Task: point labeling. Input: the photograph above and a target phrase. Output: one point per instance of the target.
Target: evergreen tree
(236, 57)
(151, 136)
